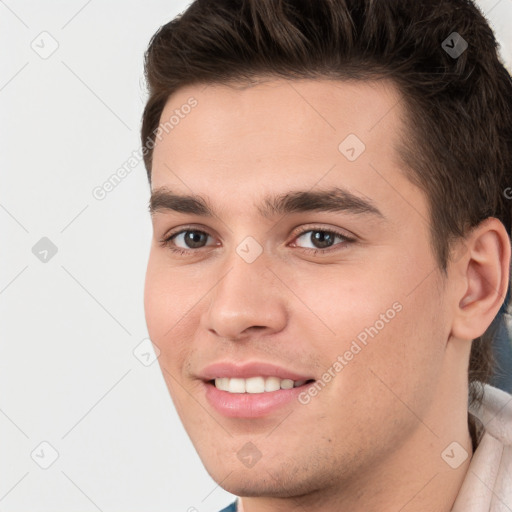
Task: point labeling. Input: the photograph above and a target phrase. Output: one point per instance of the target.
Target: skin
(372, 439)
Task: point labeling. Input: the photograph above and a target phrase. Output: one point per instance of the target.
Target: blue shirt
(230, 508)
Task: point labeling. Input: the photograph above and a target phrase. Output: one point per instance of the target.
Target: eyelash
(167, 241)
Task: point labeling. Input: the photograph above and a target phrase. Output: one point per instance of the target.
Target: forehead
(320, 111)
(282, 135)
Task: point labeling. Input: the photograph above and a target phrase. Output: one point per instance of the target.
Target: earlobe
(484, 271)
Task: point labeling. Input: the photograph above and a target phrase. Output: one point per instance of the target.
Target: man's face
(249, 297)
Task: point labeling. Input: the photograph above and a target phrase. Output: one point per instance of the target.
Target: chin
(260, 480)
(254, 488)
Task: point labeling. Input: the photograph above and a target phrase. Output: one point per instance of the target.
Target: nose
(248, 300)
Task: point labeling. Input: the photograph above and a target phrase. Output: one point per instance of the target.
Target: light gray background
(68, 373)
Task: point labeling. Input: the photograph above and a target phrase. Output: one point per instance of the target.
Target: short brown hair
(459, 107)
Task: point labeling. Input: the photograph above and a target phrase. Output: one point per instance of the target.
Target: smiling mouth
(256, 385)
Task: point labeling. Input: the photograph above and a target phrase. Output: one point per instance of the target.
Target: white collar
(487, 486)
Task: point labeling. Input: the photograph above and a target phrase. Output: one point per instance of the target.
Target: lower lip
(251, 405)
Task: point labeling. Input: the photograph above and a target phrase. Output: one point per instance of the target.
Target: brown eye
(194, 239)
(320, 239)
(188, 239)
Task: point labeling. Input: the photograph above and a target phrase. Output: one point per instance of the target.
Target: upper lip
(249, 369)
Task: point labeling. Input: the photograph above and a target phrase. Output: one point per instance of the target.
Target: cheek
(155, 299)
(399, 361)
(378, 383)
(387, 318)
(165, 305)
(346, 303)
(168, 297)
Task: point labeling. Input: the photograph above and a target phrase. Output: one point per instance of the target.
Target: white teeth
(286, 384)
(255, 384)
(236, 385)
(272, 384)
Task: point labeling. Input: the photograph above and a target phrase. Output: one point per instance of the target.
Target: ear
(482, 275)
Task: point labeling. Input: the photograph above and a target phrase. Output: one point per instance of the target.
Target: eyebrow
(332, 200)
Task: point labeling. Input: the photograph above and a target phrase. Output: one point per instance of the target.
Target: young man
(332, 248)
